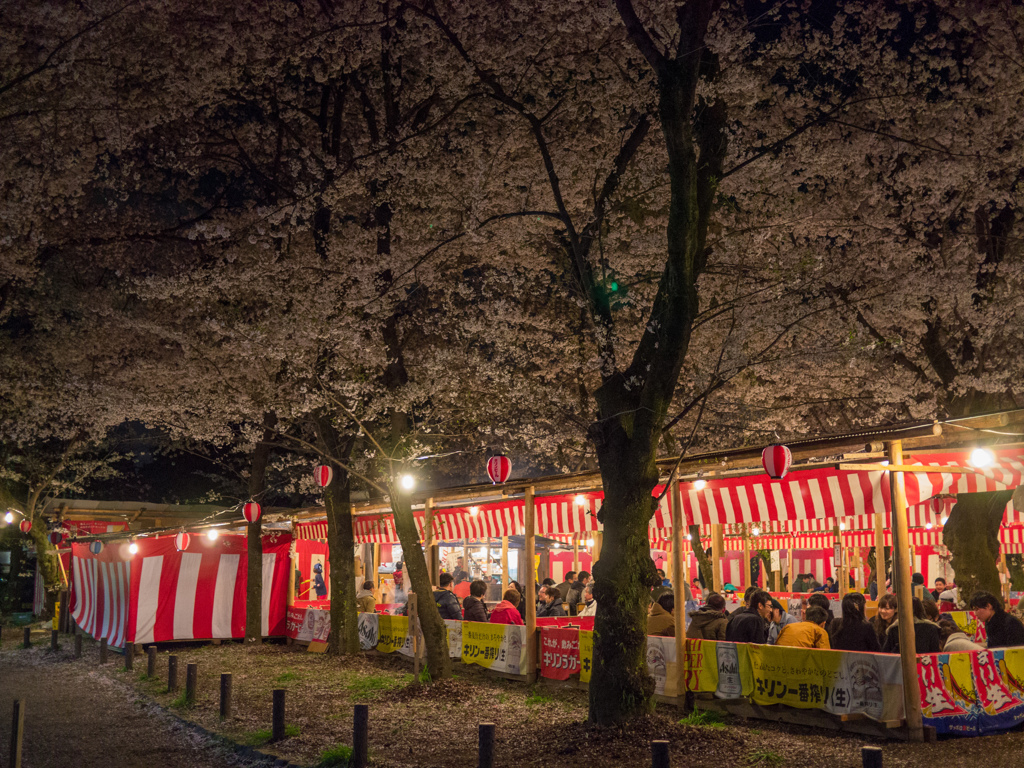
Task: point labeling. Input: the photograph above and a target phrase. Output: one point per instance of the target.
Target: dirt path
(76, 716)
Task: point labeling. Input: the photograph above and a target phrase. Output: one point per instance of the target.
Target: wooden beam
(915, 468)
(717, 548)
(504, 564)
(841, 578)
(880, 551)
(904, 598)
(745, 580)
(529, 585)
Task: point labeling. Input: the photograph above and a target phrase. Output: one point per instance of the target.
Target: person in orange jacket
(806, 634)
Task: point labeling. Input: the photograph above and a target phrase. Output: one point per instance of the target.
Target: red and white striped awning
(314, 530)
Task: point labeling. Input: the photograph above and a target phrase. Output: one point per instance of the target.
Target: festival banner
(586, 654)
(500, 647)
(308, 624)
(559, 653)
(393, 634)
(369, 631)
(970, 625)
(972, 692)
(453, 628)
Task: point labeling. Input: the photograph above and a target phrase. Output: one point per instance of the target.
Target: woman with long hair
(854, 633)
(885, 617)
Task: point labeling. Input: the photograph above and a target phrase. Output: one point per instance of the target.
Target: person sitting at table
(365, 600)
(447, 602)
(750, 624)
(550, 604)
(955, 639)
(780, 619)
(661, 622)
(854, 633)
(590, 604)
(473, 607)
(806, 634)
(507, 611)
(1004, 630)
(927, 638)
(940, 587)
(830, 587)
(709, 622)
(884, 617)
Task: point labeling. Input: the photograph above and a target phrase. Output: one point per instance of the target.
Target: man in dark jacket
(563, 588)
(550, 603)
(709, 622)
(750, 624)
(575, 595)
(1003, 629)
(473, 607)
(447, 602)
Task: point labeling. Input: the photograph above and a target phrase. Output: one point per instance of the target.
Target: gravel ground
(112, 712)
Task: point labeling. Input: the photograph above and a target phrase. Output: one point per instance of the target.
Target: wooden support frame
(529, 587)
(717, 548)
(504, 564)
(433, 569)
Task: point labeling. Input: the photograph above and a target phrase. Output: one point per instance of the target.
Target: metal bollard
(659, 754)
(103, 650)
(871, 757)
(360, 736)
(172, 673)
(277, 727)
(151, 661)
(225, 695)
(485, 750)
(191, 680)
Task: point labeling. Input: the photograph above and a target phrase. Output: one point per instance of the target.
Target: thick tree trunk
(254, 535)
(341, 543)
(435, 638)
(49, 567)
(972, 536)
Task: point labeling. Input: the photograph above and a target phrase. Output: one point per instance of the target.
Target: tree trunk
(435, 637)
(254, 535)
(341, 542)
(49, 568)
(707, 571)
(972, 536)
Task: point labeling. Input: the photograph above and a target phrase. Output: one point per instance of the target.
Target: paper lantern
(181, 541)
(25, 526)
(56, 537)
(937, 504)
(323, 475)
(251, 512)
(499, 468)
(96, 547)
(776, 460)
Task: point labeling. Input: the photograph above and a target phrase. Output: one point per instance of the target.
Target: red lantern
(776, 460)
(499, 468)
(56, 537)
(323, 475)
(251, 512)
(181, 541)
(937, 504)
(25, 526)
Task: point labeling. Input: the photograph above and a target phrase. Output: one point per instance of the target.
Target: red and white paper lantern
(323, 475)
(56, 537)
(776, 460)
(96, 547)
(25, 526)
(251, 512)
(181, 541)
(499, 468)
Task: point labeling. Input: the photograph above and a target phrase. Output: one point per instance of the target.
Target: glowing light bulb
(590, 543)
(755, 531)
(474, 511)
(981, 458)
(212, 534)
(699, 485)
(689, 537)
(580, 499)
(408, 482)
(928, 526)
(133, 548)
(9, 517)
(842, 526)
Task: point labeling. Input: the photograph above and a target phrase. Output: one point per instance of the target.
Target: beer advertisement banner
(501, 647)
(972, 692)
(559, 653)
(586, 654)
(393, 634)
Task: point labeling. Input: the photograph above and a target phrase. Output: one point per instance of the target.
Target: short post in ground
(485, 751)
(103, 650)
(28, 636)
(172, 673)
(151, 661)
(54, 637)
(871, 757)
(659, 754)
(225, 695)
(17, 732)
(129, 656)
(191, 680)
(361, 736)
(277, 727)
(78, 646)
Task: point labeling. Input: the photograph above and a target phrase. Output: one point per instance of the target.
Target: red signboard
(559, 653)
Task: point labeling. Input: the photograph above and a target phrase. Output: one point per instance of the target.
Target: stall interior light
(700, 484)
(943, 519)
(982, 458)
(580, 499)
(9, 517)
(212, 534)
(474, 511)
(133, 548)
(689, 537)
(755, 531)
(408, 482)
(928, 526)
(842, 526)
(590, 543)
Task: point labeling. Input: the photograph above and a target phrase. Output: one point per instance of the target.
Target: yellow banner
(481, 642)
(393, 633)
(586, 655)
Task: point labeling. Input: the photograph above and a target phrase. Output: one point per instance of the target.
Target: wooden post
(904, 597)
(151, 661)
(191, 681)
(678, 584)
(376, 570)
(791, 563)
(504, 564)
(172, 673)
(428, 542)
(291, 570)
(596, 554)
(745, 580)
(129, 656)
(576, 552)
(28, 637)
(54, 635)
(684, 557)
(871, 757)
(103, 650)
(225, 695)
(529, 586)
(277, 725)
(360, 735)
(880, 549)
(485, 749)
(717, 547)
(465, 558)
(17, 732)
(78, 646)
(841, 578)
(659, 754)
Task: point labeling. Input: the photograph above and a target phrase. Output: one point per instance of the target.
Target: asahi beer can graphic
(729, 685)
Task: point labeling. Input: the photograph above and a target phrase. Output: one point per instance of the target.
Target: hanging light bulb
(700, 484)
(842, 526)
(212, 534)
(928, 526)
(133, 548)
(9, 517)
(590, 543)
(689, 537)
(580, 499)
(755, 531)
(982, 458)
(408, 482)
(474, 511)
